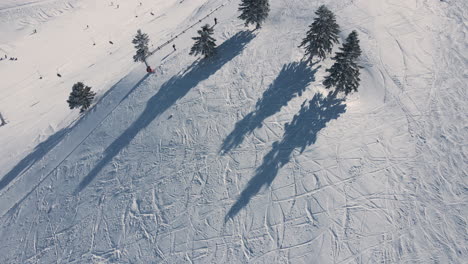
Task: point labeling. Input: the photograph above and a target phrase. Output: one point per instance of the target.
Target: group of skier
(6, 58)
(148, 68)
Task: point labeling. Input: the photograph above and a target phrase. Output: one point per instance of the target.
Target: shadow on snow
(171, 91)
(39, 151)
(292, 80)
(43, 148)
(300, 133)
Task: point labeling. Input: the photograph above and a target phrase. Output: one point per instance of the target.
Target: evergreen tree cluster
(319, 41)
(252, 12)
(81, 96)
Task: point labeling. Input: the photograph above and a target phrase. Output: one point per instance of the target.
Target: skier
(59, 75)
(173, 46)
(35, 31)
(216, 20)
(111, 42)
(149, 70)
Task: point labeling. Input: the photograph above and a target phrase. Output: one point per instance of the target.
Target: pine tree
(322, 35)
(254, 11)
(81, 96)
(141, 41)
(351, 47)
(204, 44)
(344, 74)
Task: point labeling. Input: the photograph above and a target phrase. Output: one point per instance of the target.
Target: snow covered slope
(35, 108)
(244, 158)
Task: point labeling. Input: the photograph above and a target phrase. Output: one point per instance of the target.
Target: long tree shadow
(171, 91)
(300, 133)
(39, 151)
(43, 148)
(292, 80)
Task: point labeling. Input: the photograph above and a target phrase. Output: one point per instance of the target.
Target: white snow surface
(242, 158)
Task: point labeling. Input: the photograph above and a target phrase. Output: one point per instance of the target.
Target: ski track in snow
(38, 114)
(242, 159)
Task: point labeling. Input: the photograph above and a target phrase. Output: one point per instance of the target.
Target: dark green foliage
(254, 11)
(351, 48)
(81, 96)
(204, 43)
(322, 35)
(344, 74)
(141, 41)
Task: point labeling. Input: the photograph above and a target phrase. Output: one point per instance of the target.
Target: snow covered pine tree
(323, 33)
(344, 74)
(80, 96)
(141, 41)
(254, 11)
(204, 44)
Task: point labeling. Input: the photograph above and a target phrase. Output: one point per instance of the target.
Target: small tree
(323, 33)
(141, 41)
(204, 44)
(81, 96)
(254, 11)
(344, 74)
